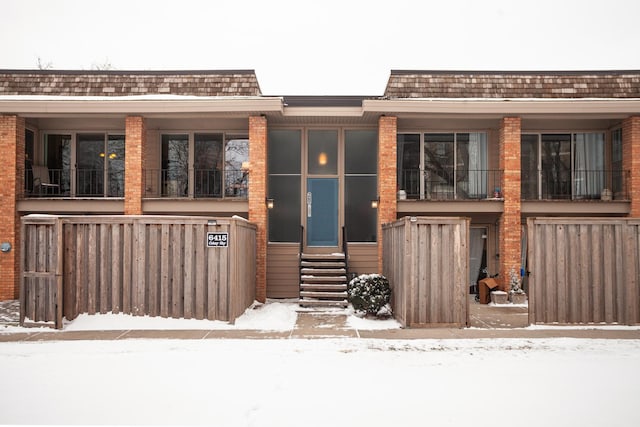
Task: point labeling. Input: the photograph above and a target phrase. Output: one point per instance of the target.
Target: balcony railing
(450, 184)
(576, 185)
(206, 183)
(44, 182)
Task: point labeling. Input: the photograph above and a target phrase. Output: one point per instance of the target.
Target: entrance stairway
(323, 280)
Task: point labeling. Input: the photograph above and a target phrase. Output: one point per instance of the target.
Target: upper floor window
(564, 166)
(361, 184)
(444, 165)
(88, 164)
(285, 180)
(200, 165)
(618, 177)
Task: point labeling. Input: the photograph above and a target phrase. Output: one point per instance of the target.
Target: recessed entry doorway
(322, 182)
(322, 212)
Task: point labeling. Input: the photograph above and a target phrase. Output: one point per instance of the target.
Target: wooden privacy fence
(584, 270)
(141, 265)
(426, 261)
(41, 279)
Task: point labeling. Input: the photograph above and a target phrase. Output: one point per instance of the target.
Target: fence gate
(180, 267)
(583, 270)
(426, 260)
(41, 278)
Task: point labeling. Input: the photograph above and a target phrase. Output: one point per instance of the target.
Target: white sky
(324, 47)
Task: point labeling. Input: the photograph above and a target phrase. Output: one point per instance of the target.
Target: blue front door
(322, 212)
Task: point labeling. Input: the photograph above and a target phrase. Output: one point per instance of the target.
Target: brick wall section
(510, 221)
(631, 160)
(387, 176)
(11, 184)
(135, 140)
(257, 198)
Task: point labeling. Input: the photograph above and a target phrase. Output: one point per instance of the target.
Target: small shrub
(369, 292)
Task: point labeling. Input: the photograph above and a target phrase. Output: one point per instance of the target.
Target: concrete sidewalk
(314, 325)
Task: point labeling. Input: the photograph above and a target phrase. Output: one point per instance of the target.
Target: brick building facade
(497, 147)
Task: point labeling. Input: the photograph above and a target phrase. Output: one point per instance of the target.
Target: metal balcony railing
(199, 183)
(44, 182)
(451, 184)
(604, 184)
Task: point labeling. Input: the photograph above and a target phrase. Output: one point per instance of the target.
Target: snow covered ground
(322, 382)
(315, 382)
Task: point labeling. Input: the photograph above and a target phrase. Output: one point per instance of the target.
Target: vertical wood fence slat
(213, 286)
(176, 282)
(609, 274)
(165, 283)
(40, 261)
(70, 295)
(127, 266)
(583, 270)
(104, 272)
(152, 273)
(91, 268)
(59, 269)
(116, 263)
(135, 265)
(200, 272)
(632, 293)
(188, 271)
(428, 270)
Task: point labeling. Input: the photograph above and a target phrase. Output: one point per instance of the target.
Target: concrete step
(327, 257)
(323, 279)
(322, 303)
(323, 264)
(320, 294)
(323, 287)
(323, 271)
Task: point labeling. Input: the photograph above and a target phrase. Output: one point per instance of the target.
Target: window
(207, 164)
(58, 161)
(529, 156)
(617, 179)
(98, 160)
(175, 165)
(444, 165)
(323, 152)
(562, 166)
(361, 184)
(409, 164)
(114, 156)
(29, 150)
(284, 166)
(90, 157)
(216, 171)
(236, 154)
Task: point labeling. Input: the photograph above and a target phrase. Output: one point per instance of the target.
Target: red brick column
(257, 198)
(631, 161)
(387, 176)
(11, 185)
(135, 141)
(510, 221)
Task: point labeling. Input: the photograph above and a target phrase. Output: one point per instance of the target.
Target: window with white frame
(201, 164)
(618, 176)
(449, 165)
(563, 165)
(87, 164)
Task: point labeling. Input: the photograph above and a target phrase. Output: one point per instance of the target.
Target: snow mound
(274, 316)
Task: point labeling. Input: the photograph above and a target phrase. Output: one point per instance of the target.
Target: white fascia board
(323, 112)
(146, 104)
(503, 106)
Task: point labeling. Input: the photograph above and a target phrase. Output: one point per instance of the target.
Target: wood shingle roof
(509, 84)
(129, 83)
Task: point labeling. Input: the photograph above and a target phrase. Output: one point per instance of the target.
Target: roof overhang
(42, 106)
(501, 107)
